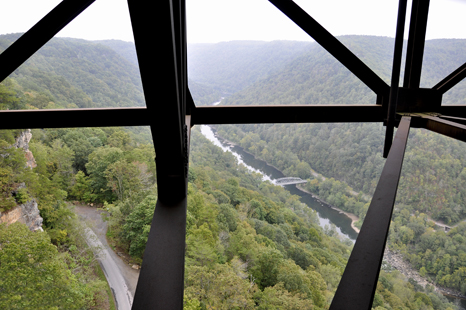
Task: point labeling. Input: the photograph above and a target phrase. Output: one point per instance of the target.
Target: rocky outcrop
(22, 141)
(27, 213)
(397, 261)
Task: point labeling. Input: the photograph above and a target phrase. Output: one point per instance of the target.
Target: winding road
(121, 278)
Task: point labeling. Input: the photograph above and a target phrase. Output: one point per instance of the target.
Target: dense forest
(349, 155)
(250, 244)
(72, 73)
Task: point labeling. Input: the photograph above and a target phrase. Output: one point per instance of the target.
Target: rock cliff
(22, 141)
(26, 213)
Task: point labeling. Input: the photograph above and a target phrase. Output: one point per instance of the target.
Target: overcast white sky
(226, 20)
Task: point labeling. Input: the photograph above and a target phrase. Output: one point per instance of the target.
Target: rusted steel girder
(451, 80)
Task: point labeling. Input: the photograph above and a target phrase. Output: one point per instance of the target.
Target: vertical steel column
(393, 98)
(416, 42)
(359, 281)
(163, 74)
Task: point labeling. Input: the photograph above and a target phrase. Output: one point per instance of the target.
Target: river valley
(327, 215)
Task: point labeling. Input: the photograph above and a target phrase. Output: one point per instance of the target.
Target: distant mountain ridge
(287, 72)
(80, 73)
(229, 67)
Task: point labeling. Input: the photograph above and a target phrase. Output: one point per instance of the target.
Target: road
(121, 278)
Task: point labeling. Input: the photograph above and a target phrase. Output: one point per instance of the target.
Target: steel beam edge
(458, 110)
(396, 68)
(416, 42)
(451, 80)
(445, 127)
(332, 45)
(287, 114)
(358, 283)
(31, 41)
(458, 120)
(73, 118)
(162, 270)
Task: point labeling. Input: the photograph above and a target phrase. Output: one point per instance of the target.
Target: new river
(327, 215)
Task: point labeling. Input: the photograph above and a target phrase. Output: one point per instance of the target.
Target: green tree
(33, 275)
(200, 247)
(266, 267)
(81, 190)
(123, 178)
(137, 226)
(220, 288)
(120, 139)
(8, 97)
(98, 162)
(278, 298)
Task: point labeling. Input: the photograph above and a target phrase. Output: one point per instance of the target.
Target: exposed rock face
(397, 261)
(22, 141)
(27, 213)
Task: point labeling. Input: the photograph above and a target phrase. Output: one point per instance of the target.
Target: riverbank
(353, 217)
(394, 260)
(233, 144)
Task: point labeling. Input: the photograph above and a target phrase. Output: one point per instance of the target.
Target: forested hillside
(351, 152)
(250, 244)
(72, 73)
(433, 183)
(229, 67)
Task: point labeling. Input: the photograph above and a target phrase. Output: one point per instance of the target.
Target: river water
(327, 215)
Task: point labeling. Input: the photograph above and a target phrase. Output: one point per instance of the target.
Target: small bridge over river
(288, 181)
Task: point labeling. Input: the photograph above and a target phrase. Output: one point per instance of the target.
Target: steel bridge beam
(358, 283)
(72, 118)
(163, 75)
(141, 116)
(416, 43)
(458, 120)
(332, 45)
(451, 80)
(36, 37)
(450, 128)
(287, 114)
(396, 68)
